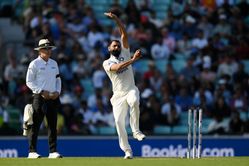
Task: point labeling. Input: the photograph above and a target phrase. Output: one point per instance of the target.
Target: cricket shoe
(139, 136)
(128, 154)
(54, 155)
(34, 155)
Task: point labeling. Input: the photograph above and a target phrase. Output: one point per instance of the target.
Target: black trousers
(48, 108)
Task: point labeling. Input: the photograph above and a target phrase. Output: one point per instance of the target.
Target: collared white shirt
(122, 80)
(43, 75)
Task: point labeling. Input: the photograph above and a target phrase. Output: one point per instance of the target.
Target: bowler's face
(115, 46)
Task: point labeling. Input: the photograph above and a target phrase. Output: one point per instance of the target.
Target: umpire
(44, 80)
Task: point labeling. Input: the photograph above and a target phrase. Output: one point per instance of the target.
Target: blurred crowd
(209, 36)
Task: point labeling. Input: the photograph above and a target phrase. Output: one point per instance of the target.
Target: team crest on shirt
(121, 59)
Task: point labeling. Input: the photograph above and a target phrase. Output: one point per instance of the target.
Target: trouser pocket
(38, 102)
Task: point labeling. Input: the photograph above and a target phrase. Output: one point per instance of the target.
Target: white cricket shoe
(128, 154)
(34, 155)
(139, 136)
(54, 155)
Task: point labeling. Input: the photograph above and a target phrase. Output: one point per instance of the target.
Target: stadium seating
(205, 124)
(244, 116)
(107, 130)
(178, 64)
(88, 86)
(101, 6)
(181, 129)
(184, 118)
(180, 56)
(162, 130)
(141, 66)
(161, 4)
(184, 121)
(246, 65)
(178, 61)
(14, 118)
(161, 65)
(6, 2)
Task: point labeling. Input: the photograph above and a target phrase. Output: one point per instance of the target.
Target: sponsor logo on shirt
(122, 70)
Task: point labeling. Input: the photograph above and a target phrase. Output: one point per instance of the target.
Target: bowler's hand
(137, 55)
(110, 15)
(45, 94)
(54, 95)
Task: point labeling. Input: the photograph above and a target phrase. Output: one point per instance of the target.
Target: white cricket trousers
(121, 103)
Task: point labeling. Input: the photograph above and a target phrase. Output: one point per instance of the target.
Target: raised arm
(123, 33)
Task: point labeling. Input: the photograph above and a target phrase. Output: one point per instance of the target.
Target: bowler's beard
(115, 53)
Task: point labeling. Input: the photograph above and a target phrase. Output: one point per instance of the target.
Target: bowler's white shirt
(43, 75)
(123, 80)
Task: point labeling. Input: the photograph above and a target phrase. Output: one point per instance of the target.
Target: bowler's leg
(120, 109)
(133, 101)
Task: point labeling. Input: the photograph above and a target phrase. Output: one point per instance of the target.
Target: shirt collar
(113, 58)
(44, 62)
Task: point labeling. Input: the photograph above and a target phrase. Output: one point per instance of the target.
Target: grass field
(111, 161)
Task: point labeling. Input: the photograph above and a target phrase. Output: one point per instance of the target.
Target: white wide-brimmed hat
(44, 43)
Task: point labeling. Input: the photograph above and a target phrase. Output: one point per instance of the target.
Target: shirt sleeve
(58, 80)
(7, 75)
(31, 78)
(126, 52)
(107, 65)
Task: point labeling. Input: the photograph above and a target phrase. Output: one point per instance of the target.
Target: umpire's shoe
(54, 155)
(34, 155)
(139, 136)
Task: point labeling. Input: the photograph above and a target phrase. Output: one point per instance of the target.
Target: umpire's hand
(45, 94)
(54, 95)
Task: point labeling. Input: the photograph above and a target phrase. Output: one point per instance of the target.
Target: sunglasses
(46, 48)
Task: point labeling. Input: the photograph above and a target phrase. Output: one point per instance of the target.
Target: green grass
(112, 161)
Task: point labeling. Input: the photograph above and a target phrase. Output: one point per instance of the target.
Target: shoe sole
(128, 158)
(34, 157)
(140, 139)
(55, 157)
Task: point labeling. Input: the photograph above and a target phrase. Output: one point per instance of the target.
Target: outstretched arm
(124, 37)
(120, 66)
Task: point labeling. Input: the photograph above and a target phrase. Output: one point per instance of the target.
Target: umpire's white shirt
(43, 75)
(122, 80)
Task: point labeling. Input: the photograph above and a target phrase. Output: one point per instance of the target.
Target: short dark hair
(113, 41)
